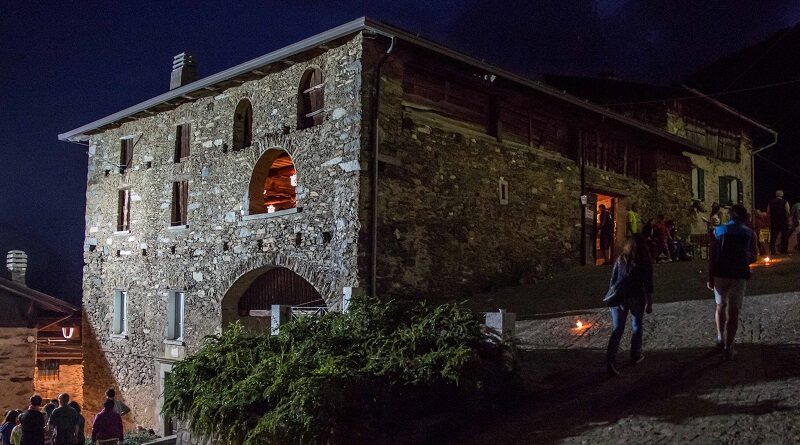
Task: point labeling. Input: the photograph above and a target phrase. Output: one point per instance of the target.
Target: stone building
(27, 360)
(277, 182)
(727, 176)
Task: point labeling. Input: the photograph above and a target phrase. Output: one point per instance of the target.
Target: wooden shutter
(176, 204)
(724, 191)
(125, 154)
(185, 135)
(739, 191)
(123, 210)
(701, 184)
(184, 186)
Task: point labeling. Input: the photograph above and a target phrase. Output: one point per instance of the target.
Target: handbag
(620, 292)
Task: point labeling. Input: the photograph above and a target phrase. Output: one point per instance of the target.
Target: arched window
(243, 125)
(273, 184)
(310, 99)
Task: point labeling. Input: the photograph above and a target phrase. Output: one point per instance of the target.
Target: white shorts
(729, 291)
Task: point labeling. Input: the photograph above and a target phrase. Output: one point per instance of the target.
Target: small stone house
(34, 352)
(362, 160)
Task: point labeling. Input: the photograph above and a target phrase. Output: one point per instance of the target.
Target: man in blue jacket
(732, 251)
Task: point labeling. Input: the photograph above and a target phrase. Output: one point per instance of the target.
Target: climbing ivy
(340, 377)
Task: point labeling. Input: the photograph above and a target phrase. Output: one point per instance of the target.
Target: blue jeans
(619, 315)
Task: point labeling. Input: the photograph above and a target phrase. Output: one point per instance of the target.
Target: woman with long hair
(9, 423)
(634, 265)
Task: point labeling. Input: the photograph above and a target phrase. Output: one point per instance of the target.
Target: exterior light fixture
(67, 332)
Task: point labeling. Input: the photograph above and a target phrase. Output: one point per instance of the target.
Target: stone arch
(273, 183)
(240, 280)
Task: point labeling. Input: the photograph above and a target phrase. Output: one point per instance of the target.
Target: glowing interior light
(293, 180)
(767, 259)
(270, 208)
(67, 332)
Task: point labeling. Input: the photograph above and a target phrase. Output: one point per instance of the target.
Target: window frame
(242, 137)
(311, 99)
(119, 324)
(698, 185)
(176, 316)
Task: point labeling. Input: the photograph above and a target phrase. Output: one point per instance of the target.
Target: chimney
(183, 70)
(17, 263)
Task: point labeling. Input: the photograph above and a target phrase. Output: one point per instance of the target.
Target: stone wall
(70, 381)
(221, 242)
(443, 231)
(17, 364)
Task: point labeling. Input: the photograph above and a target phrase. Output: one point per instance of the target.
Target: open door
(589, 229)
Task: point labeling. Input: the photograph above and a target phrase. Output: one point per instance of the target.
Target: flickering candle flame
(578, 324)
(767, 259)
(270, 208)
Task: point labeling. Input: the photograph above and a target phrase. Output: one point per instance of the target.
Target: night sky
(64, 64)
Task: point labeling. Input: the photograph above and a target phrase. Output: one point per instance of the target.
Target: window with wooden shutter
(725, 197)
(180, 200)
(175, 315)
(243, 125)
(182, 140)
(125, 154)
(120, 320)
(311, 99)
(123, 210)
(698, 184)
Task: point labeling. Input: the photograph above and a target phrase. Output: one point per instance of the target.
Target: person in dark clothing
(107, 425)
(634, 261)
(64, 422)
(80, 438)
(732, 251)
(778, 210)
(606, 232)
(32, 423)
(9, 423)
(649, 234)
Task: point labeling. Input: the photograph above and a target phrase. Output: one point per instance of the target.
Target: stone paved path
(683, 392)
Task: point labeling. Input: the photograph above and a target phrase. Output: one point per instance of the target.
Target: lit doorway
(606, 210)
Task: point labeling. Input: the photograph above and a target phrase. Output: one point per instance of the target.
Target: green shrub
(340, 377)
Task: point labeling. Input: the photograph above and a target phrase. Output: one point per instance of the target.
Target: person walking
(732, 251)
(778, 210)
(634, 225)
(64, 422)
(80, 437)
(107, 426)
(32, 423)
(9, 422)
(633, 264)
(606, 231)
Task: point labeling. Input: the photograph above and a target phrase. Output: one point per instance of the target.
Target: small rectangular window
(120, 326)
(698, 184)
(182, 136)
(175, 315)
(124, 210)
(125, 154)
(503, 190)
(180, 200)
(731, 191)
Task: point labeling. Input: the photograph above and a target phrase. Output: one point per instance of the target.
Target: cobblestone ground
(683, 392)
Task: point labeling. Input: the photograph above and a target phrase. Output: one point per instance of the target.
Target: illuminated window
(273, 184)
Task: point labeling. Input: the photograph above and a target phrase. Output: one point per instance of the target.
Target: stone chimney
(184, 70)
(17, 263)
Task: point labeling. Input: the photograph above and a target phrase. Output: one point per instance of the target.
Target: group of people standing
(661, 240)
(59, 422)
(733, 248)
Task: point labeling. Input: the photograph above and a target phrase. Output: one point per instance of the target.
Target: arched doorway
(252, 295)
